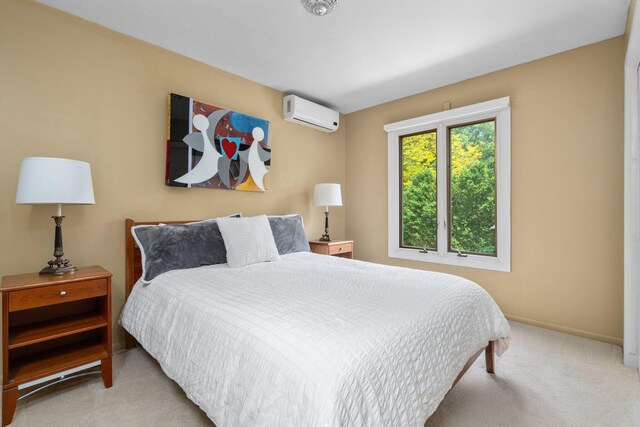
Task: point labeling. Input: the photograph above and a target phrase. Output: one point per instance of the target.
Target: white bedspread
(313, 340)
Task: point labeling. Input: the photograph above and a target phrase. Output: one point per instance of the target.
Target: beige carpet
(545, 379)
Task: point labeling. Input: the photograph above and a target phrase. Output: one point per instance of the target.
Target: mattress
(313, 340)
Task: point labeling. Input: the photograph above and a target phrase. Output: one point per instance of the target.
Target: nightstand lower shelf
(20, 336)
(38, 365)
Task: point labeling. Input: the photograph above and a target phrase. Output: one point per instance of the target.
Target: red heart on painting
(229, 148)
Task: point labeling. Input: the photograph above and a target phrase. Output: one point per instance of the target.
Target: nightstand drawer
(56, 294)
(341, 248)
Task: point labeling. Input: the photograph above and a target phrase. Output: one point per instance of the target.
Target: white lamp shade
(48, 180)
(327, 195)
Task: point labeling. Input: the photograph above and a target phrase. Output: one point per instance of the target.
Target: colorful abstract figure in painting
(211, 147)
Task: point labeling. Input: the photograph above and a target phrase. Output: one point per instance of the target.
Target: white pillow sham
(248, 240)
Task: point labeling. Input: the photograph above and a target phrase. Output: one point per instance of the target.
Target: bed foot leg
(129, 341)
(488, 357)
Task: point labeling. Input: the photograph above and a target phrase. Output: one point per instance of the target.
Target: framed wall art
(212, 147)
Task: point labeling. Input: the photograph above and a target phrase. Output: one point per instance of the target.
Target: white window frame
(498, 109)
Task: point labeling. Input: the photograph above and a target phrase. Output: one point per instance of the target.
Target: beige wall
(69, 88)
(567, 187)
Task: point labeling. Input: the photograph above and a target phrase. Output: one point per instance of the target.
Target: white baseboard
(578, 332)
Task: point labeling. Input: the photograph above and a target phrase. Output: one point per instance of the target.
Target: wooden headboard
(133, 261)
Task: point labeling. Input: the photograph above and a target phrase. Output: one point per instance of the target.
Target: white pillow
(248, 240)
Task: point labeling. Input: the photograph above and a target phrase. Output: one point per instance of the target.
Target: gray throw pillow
(179, 246)
(288, 232)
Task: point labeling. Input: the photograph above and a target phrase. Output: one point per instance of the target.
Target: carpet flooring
(545, 379)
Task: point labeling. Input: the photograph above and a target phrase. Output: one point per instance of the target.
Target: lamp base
(59, 270)
(325, 237)
(58, 266)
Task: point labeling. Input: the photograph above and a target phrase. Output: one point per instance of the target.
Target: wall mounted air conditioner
(307, 113)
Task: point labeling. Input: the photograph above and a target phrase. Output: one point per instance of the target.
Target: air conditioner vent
(307, 113)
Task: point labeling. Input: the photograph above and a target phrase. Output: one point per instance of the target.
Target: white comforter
(313, 340)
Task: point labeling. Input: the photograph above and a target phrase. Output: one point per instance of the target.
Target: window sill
(471, 261)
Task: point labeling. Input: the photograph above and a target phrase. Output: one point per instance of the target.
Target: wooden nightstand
(53, 326)
(342, 248)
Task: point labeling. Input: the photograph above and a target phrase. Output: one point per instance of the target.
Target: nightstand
(341, 248)
(53, 326)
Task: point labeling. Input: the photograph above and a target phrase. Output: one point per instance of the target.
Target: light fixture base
(66, 267)
(325, 237)
(58, 266)
(319, 7)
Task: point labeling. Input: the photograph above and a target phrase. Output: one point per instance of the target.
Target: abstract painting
(213, 147)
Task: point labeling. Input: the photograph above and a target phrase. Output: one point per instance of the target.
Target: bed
(311, 340)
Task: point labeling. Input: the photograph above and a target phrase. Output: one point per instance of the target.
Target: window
(449, 187)
(419, 191)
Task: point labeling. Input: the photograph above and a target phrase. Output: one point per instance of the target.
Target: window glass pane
(472, 188)
(418, 227)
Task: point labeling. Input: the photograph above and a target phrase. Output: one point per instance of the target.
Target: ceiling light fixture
(319, 7)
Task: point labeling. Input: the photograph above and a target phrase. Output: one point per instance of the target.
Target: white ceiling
(365, 52)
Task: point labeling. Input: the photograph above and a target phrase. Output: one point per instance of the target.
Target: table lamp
(52, 181)
(327, 195)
